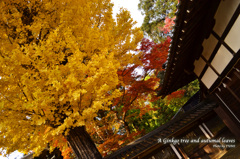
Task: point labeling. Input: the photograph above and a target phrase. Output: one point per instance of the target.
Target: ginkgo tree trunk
(58, 68)
(82, 144)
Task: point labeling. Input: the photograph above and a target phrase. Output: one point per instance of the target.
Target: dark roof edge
(194, 23)
(176, 33)
(206, 103)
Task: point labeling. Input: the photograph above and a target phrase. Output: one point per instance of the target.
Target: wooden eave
(175, 127)
(194, 22)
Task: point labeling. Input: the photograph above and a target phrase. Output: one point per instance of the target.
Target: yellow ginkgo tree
(58, 67)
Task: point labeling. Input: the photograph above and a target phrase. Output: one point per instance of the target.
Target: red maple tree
(139, 83)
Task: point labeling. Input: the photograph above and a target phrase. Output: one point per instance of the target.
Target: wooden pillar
(229, 121)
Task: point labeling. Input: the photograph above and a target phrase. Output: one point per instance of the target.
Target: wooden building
(205, 46)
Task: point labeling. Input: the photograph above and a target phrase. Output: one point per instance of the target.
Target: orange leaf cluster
(176, 94)
(116, 142)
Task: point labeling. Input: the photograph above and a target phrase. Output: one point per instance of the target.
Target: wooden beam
(233, 126)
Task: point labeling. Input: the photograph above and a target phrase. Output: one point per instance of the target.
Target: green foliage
(155, 12)
(161, 113)
(161, 110)
(191, 88)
